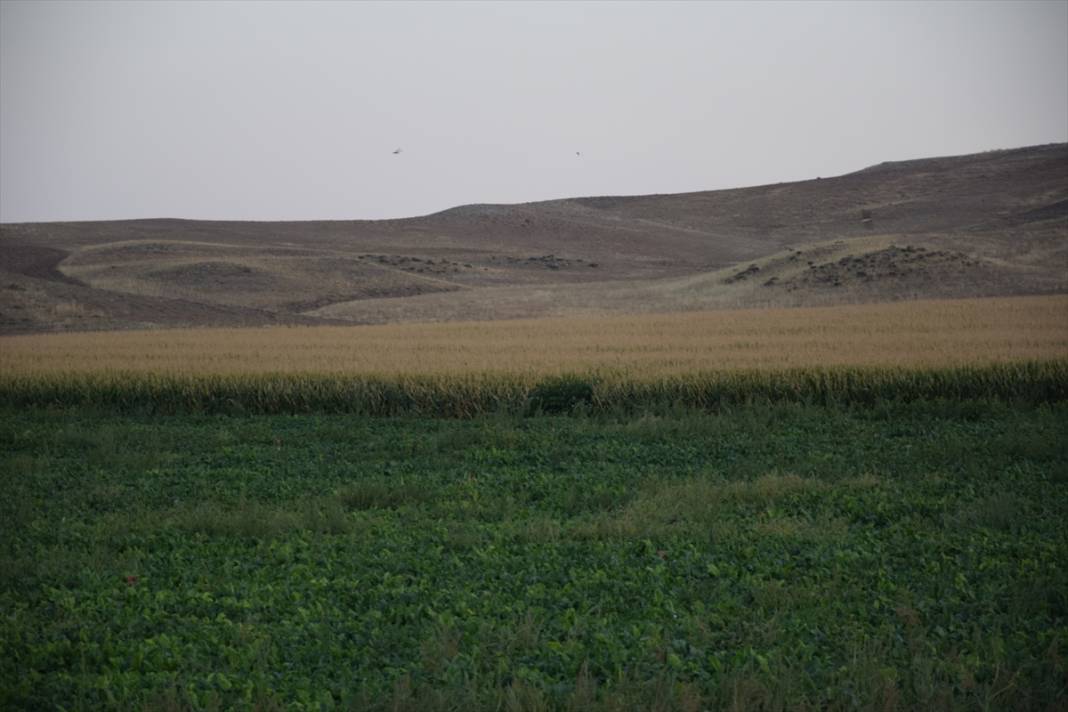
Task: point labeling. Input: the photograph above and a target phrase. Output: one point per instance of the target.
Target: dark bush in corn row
(470, 395)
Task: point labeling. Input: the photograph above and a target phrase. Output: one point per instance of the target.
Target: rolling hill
(988, 224)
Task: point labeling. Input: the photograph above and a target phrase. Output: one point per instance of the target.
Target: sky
(272, 111)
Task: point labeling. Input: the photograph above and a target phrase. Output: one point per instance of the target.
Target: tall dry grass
(921, 334)
(1008, 349)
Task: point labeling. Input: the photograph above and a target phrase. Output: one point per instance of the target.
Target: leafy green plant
(758, 555)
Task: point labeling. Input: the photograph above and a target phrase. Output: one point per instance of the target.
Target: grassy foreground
(765, 556)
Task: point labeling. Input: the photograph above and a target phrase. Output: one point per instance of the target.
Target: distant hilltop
(986, 224)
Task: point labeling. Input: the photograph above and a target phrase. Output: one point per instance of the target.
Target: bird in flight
(396, 152)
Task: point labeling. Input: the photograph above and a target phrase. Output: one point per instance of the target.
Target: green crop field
(774, 552)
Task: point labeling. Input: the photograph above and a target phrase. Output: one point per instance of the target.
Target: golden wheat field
(904, 334)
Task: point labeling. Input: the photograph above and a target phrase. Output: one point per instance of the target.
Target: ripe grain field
(938, 333)
(1000, 348)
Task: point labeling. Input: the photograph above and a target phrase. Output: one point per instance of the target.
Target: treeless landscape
(989, 224)
(798, 446)
(668, 436)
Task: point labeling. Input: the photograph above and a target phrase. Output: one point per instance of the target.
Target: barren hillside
(987, 224)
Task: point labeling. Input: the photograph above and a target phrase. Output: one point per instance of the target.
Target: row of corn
(475, 394)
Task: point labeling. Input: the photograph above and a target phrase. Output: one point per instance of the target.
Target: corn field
(904, 334)
(478, 394)
(1006, 349)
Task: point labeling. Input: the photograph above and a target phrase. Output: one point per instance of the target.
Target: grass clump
(380, 494)
(563, 394)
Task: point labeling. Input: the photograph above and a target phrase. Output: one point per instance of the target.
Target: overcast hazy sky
(292, 111)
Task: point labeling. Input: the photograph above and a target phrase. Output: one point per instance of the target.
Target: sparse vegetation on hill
(990, 224)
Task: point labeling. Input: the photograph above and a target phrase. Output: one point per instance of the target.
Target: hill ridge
(987, 224)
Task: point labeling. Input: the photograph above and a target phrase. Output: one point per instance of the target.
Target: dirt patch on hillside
(29, 305)
(216, 275)
(1053, 211)
(34, 261)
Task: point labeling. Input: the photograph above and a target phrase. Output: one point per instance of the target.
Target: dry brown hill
(987, 224)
